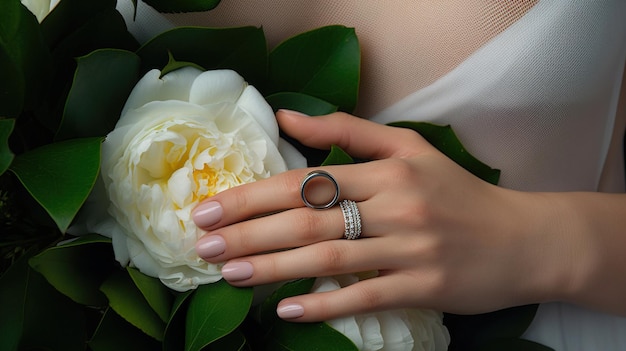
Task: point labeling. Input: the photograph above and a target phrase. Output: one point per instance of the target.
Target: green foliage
(35, 315)
(444, 139)
(6, 156)
(102, 83)
(24, 59)
(337, 156)
(78, 268)
(128, 301)
(44, 173)
(303, 103)
(282, 335)
(156, 294)
(242, 49)
(324, 63)
(215, 310)
(115, 333)
(173, 65)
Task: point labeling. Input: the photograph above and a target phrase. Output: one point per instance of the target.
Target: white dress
(538, 100)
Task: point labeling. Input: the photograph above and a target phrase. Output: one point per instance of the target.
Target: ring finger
(316, 260)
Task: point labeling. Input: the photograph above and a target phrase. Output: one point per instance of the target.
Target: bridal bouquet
(106, 146)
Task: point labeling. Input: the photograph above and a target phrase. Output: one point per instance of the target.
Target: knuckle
(244, 240)
(408, 134)
(290, 183)
(370, 298)
(309, 225)
(332, 258)
(241, 198)
(401, 170)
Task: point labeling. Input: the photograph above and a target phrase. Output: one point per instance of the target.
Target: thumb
(358, 137)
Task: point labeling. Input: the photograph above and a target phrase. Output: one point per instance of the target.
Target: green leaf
(235, 341)
(105, 28)
(70, 15)
(337, 157)
(34, 315)
(307, 337)
(283, 335)
(306, 104)
(182, 5)
(13, 290)
(127, 301)
(446, 141)
(324, 63)
(267, 309)
(84, 26)
(174, 338)
(242, 49)
(114, 333)
(156, 294)
(60, 176)
(102, 83)
(214, 311)
(78, 268)
(6, 156)
(173, 65)
(24, 59)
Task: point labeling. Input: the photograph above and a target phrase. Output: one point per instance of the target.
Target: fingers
(362, 297)
(285, 230)
(290, 229)
(357, 136)
(320, 259)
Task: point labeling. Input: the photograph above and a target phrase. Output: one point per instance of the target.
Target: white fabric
(539, 102)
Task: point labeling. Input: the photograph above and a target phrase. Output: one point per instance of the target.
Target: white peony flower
(40, 8)
(395, 330)
(182, 138)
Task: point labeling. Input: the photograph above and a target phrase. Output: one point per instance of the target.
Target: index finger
(358, 137)
(278, 193)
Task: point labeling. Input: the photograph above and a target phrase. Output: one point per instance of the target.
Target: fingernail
(290, 311)
(237, 271)
(297, 113)
(207, 214)
(210, 246)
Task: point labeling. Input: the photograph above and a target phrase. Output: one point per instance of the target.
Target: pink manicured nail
(290, 311)
(297, 113)
(237, 271)
(210, 246)
(207, 214)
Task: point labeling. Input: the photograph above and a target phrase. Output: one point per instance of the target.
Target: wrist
(546, 256)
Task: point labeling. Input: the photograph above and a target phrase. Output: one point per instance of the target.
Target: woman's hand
(439, 237)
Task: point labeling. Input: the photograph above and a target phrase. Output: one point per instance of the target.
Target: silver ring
(352, 219)
(312, 175)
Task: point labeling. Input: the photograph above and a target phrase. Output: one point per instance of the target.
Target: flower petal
(216, 87)
(255, 105)
(175, 85)
(293, 158)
